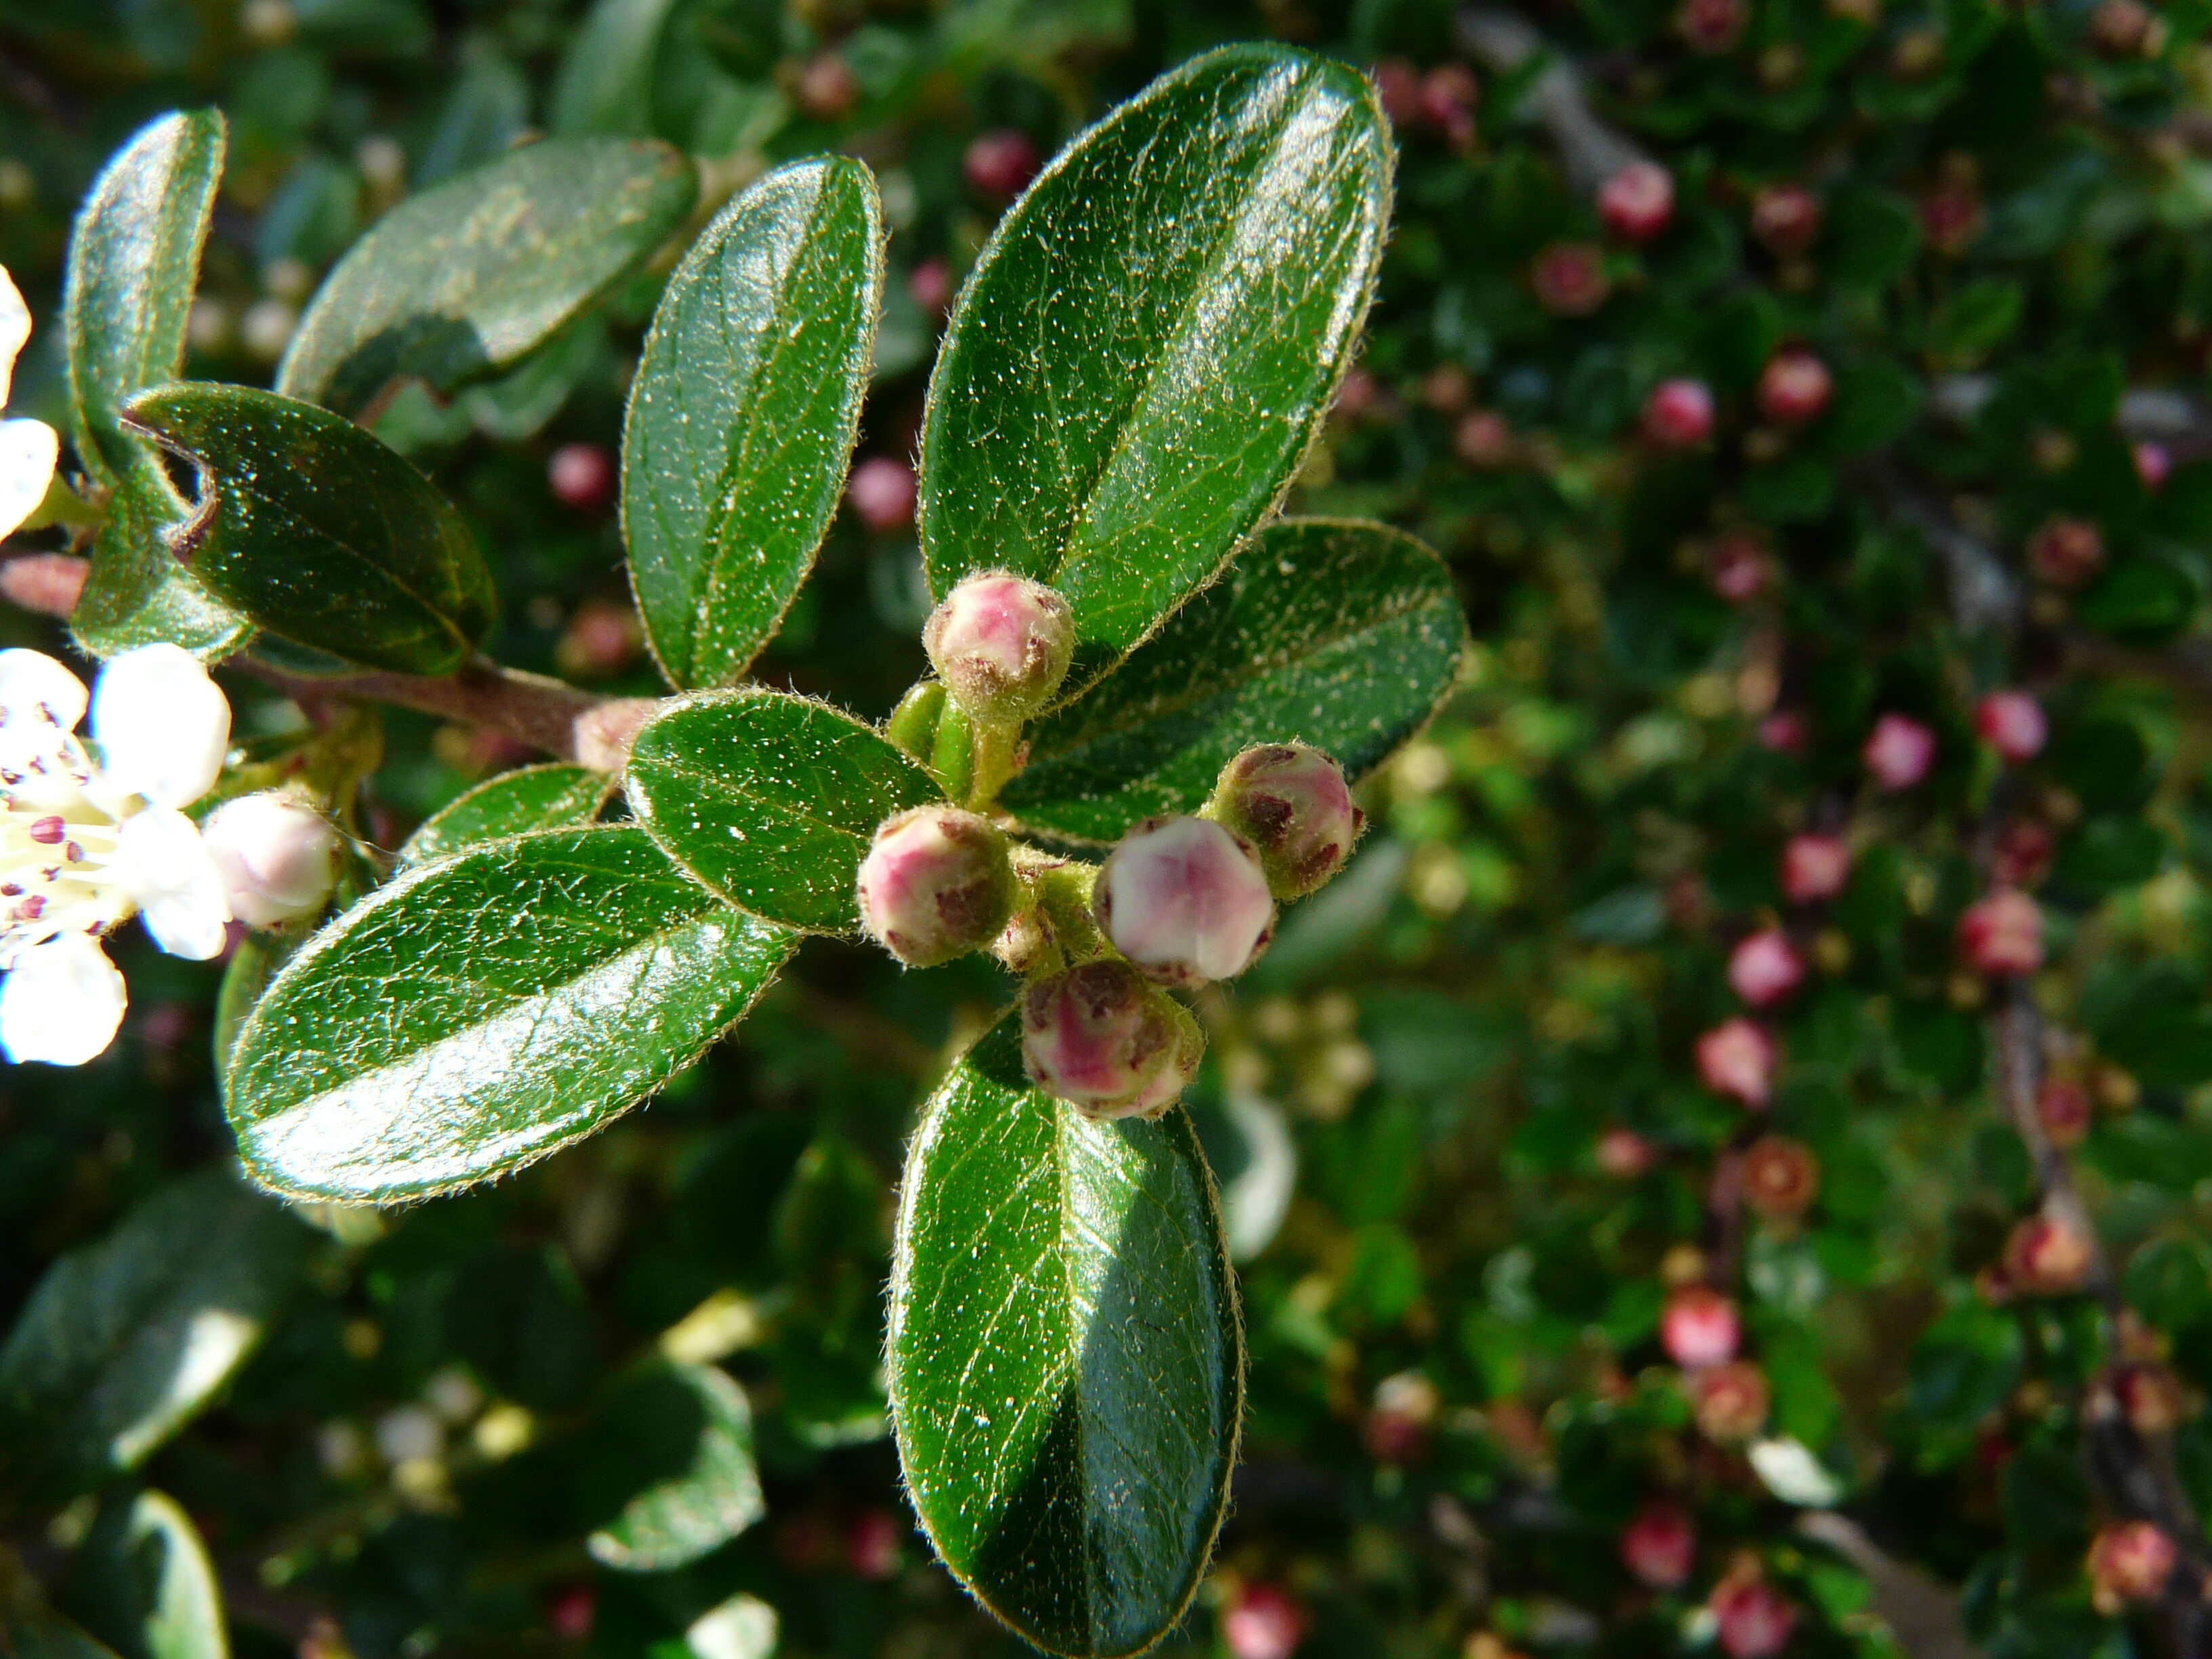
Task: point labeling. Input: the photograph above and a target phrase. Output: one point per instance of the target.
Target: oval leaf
(467, 278)
(126, 1338)
(687, 1433)
(320, 533)
(143, 1582)
(137, 592)
(558, 796)
(1135, 368)
(771, 800)
(1066, 1372)
(484, 1010)
(1343, 634)
(741, 417)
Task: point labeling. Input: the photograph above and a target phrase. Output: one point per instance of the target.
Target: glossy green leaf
(465, 279)
(558, 796)
(320, 533)
(1140, 358)
(254, 963)
(484, 1010)
(1341, 633)
(741, 417)
(134, 260)
(136, 591)
(605, 80)
(144, 1583)
(1066, 1372)
(689, 1431)
(770, 800)
(126, 1338)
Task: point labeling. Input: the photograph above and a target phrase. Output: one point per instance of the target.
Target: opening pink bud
(1794, 387)
(937, 883)
(1291, 802)
(278, 857)
(2002, 934)
(1753, 1620)
(1101, 1038)
(1763, 969)
(1002, 644)
(2012, 723)
(1660, 1546)
(1899, 751)
(1699, 1328)
(1736, 1058)
(1637, 201)
(2130, 1562)
(1679, 413)
(1185, 900)
(1815, 868)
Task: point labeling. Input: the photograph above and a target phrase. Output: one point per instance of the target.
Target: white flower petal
(35, 690)
(1793, 1474)
(14, 329)
(61, 1003)
(163, 725)
(29, 450)
(165, 866)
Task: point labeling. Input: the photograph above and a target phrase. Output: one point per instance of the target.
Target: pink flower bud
(1291, 802)
(1899, 751)
(1101, 1038)
(1449, 93)
(2012, 723)
(2153, 464)
(1785, 218)
(1637, 201)
(2066, 552)
(1736, 1058)
(1002, 644)
(1950, 219)
(1570, 279)
(1484, 440)
(937, 883)
(1000, 163)
(278, 857)
(1729, 1401)
(1710, 27)
(1262, 1622)
(1815, 868)
(1679, 413)
(1185, 900)
(571, 1610)
(871, 1544)
(2047, 1255)
(1794, 387)
(1398, 89)
(1783, 731)
(581, 477)
(1623, 1153)
(2130, 1562)
(1660, 1546)
(929, 285)
(1699, 1328)
(1740, 567)
(827, 88)
(2023, 854)
(2150, 1396)
(601, 639)
(1780, 1177)
(1763, 969)
(2063, 1106)
(2002, 934)
(1754, 1620)
(881, 490)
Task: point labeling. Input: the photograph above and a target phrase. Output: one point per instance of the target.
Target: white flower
(90, 835)
(28, 448)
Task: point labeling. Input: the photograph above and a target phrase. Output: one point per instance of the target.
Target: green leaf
(687, 1432)
(486, 1009)
(127, 1338)
(137, 592)
(253, 965)
(143, 1582)
(320, 533)
(557, 796)
(467, 278)
(134, 260)
(741, 417)
(1150, 338)
(605, 80)
(770, 800)
(1066, 1371)
(1342, 634)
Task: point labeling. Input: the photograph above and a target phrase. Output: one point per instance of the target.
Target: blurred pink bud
(1740, 567)
(278, 857)
(1764, 969)
(1737, 1059)
(1002, 644)
(1291, 803)
(1623, 1153)
(1185, 900)
(1729, 1401)
(1754, 1618)
(1899, 751)
(1449, 93)
(1398, 89)
(601, 639)
(1785, 218)
(581, 477)
(2065, 551)
(827, 88)
(871, 1544)
(2047, 1255)
(1712, 26)
(2012, 723)
(881, 490)
(2130, 1562)
(1100, 1037)
(1637, 201)
(937, 883)
(1660, 1546)
(1570, 279)
(1815, 868)
(1794, 387)
(44, 583)
(929, 285)
(1699, 1328)
(2002, 934)
(1951, 220)
(571, 1610)
(1484, 440)
(2154, 465)
(2023, 854)
(1001, 162)
(1780, 1177)
(1679, 413)
(1262, 1622)
(1785, 731)
(2063, 1106)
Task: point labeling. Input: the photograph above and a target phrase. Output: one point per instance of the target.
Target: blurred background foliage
(1466, 1147)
